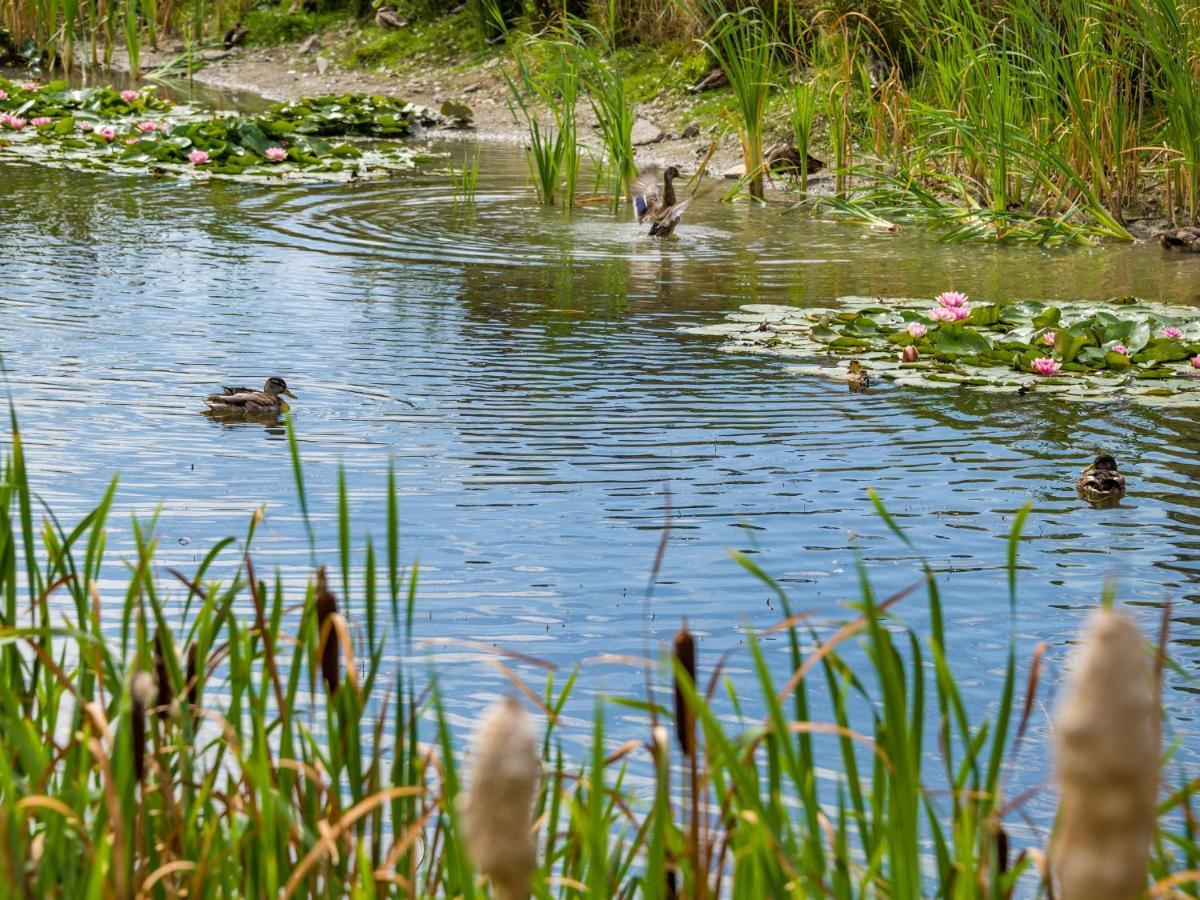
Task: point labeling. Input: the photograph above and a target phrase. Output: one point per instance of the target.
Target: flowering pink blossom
(1195, 361)
(960, 312)
(917, 330)
(952, 299)
(942, 314)
(1049, 338)
(129, 96)
(275, 154)
(197, 157)
(3, 95)
(40, 121)
(85, 126)
(15, 123)
(909, 354)
(31, 86)
(1171, 332)
(146, 127)
(108, 133)
(1120, 348)
(1045, 366)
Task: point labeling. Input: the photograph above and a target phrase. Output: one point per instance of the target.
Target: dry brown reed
(498, 808)
(1107, 740)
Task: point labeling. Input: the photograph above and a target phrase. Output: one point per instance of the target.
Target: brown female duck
(247, 400)
(1100, 483)
(662, 212)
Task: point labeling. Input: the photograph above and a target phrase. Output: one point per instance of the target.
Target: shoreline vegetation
(260, 746)
(1017, 120)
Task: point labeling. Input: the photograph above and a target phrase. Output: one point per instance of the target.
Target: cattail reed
(1108, 758)
(142, 692)
(498, 808)
(161, 678)
(685, 656)
(192, 688)
(327, 646)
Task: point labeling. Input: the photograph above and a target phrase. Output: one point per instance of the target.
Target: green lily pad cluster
(365, 115)
(101, 128)
(1084, 351)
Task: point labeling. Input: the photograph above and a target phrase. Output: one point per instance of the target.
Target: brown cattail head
(192, 688)
(161, 678)
(498, 808)
(142, 693)
(685, 658)
(1107, 739)
(327, 646)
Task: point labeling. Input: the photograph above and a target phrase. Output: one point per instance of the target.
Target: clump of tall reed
(552, 91)
(743, 42)
(1107, 739)
(280, 770)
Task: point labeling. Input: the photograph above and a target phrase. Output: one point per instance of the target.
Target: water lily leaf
(1117, 361)
(862, 325)
(959, 340)
(1133, 333)
(1048, 317)
(988, 314)
(1068, 343)
(1162, 350)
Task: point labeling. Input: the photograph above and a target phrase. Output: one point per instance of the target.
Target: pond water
(523, 372)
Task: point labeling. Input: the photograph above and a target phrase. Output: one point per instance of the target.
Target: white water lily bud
(498, 808)
(1107, 737)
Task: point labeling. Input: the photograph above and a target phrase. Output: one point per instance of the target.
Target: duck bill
(290, 394)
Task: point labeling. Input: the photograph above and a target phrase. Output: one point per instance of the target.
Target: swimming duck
(248, 400)
(1101, 483)
(859, 379)
(1185, 240)
(663, 212)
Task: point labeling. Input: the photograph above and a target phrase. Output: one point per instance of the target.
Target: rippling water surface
(522, 371)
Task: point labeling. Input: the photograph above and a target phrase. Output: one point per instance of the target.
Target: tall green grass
(545, 100)
(223, 733)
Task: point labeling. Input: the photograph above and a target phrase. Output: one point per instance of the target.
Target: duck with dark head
(247, 401)
(662, 211)
(1100, 484)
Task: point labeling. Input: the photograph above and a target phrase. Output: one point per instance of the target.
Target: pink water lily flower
(1049, 338)
(1045, 366)
(108, 133)
(275, 154)
(917, 330)
(85, 126)
(942, 314)
(952, 299)
(910, 354)
(1171, 332)
(197, 157)
(1195, 361)
(960, 312)
(15, 123)
(146, 127)
(129, 96)
(1120, 348)
(31, 86)
(3, 95)
(40, 121)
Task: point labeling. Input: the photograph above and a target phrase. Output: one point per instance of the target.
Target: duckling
(663, 212)
(387, 17)
(1184, 240)
(236, 36)
(859, 379)
(1100, 483)
(247, 400)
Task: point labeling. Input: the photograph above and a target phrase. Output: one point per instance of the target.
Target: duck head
(1104, 462)
(276, 386)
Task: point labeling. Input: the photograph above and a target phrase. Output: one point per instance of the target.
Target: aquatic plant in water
(1145, 351)
(77, 127)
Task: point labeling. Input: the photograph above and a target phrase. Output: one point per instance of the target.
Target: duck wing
(242, 399)
(645, 193)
